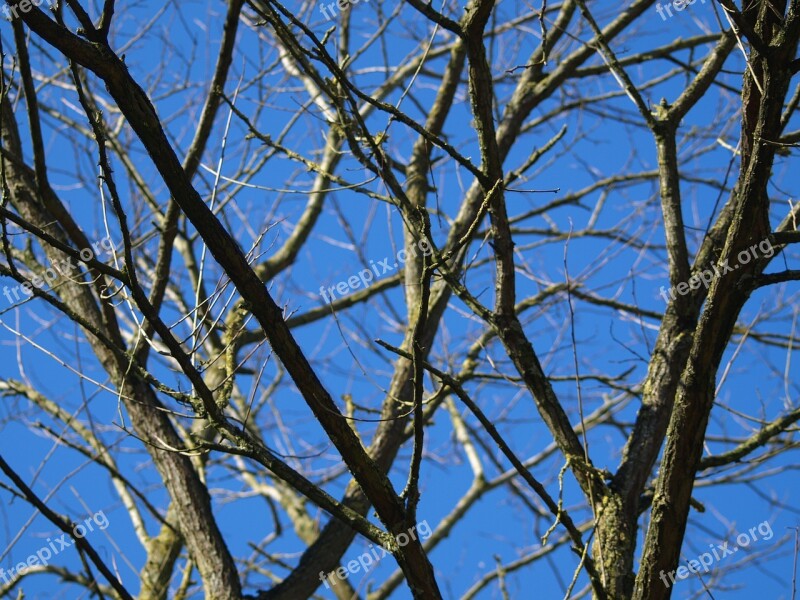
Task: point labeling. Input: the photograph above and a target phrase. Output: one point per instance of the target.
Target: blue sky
(183, 44)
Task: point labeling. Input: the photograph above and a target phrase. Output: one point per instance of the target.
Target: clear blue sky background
(498, 525)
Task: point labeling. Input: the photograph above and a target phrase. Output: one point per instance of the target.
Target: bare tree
(583, 281)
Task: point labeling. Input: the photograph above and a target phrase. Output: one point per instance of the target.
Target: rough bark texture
(482, 267)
